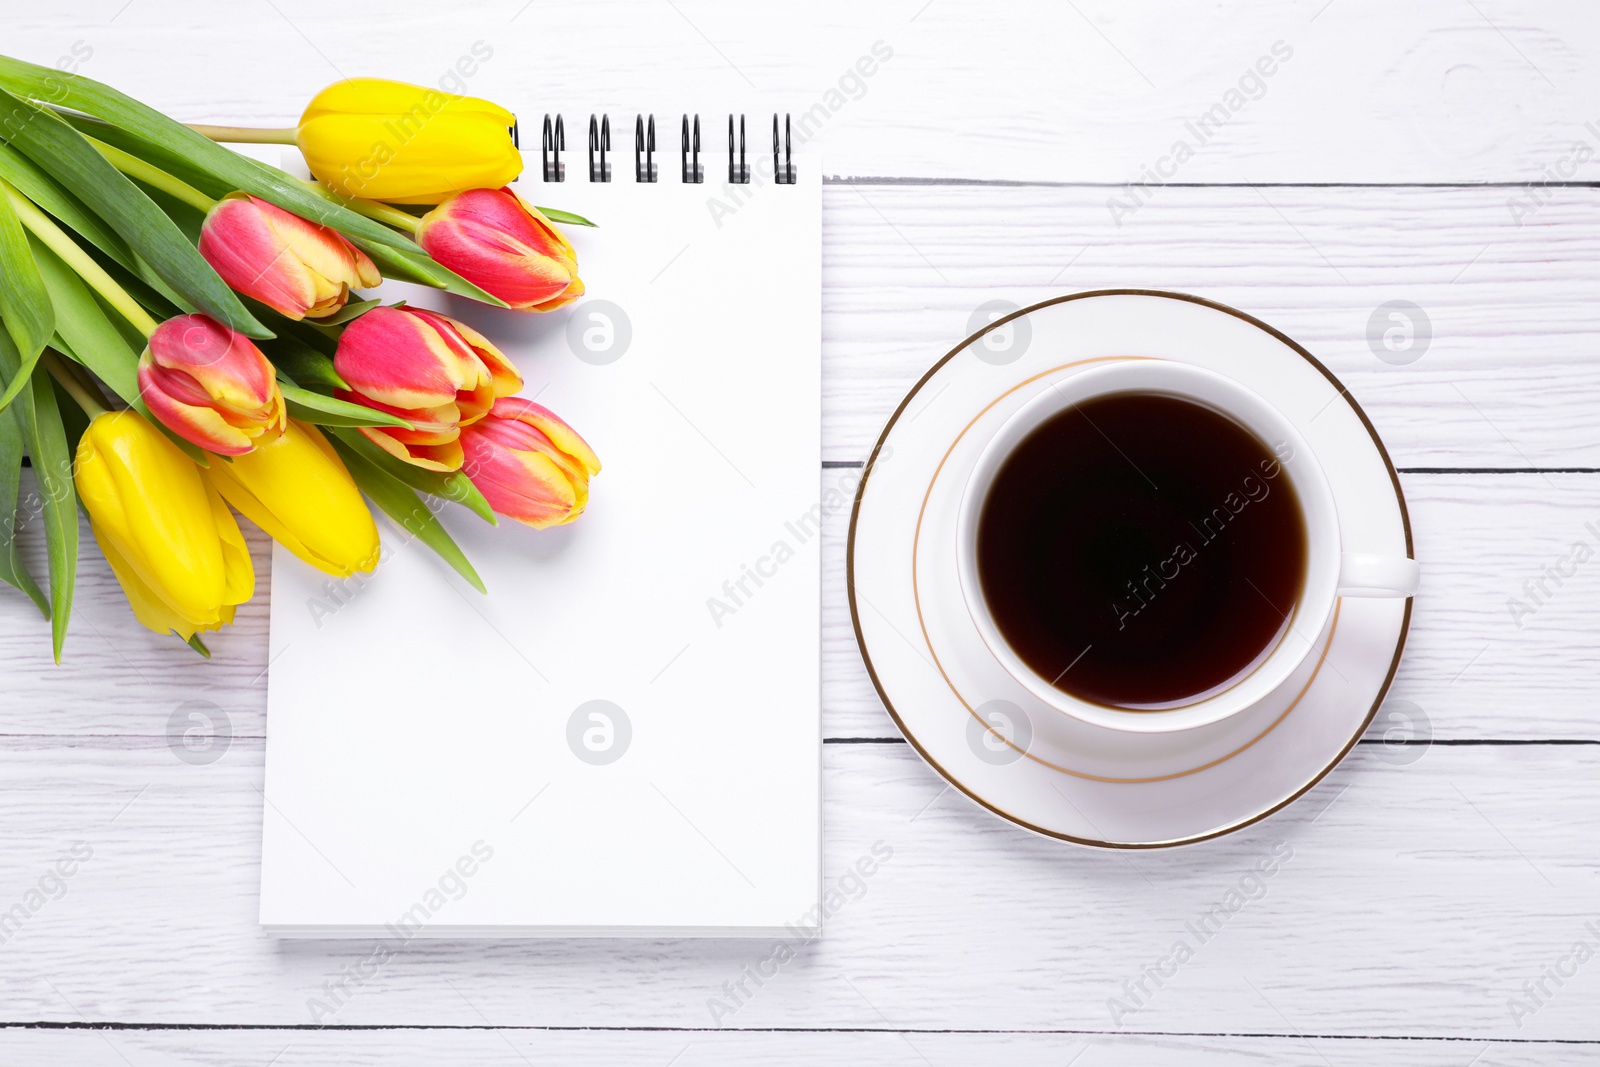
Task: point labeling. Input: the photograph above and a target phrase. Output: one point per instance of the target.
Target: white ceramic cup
(1330, 571)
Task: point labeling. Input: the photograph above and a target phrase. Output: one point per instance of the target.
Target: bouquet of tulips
(179, 339)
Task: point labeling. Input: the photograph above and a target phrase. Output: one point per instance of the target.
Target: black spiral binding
(693, 172)
(738, 173)
(555, 140)
(782, 173)
(646, 170)
(599, 139)
(644, 150)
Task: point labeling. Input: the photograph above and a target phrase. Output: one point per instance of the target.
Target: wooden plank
(1386, 878)
(517, 1048)
(1471, 668)
(1094, 91)
(906, 268)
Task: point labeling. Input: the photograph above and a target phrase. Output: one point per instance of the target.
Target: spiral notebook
(622, 737)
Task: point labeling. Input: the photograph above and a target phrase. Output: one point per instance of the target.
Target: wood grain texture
(1414, 906)
(1407, 901)
(1507, 379)
(1089, 91)
(1487, 657)
(518, 1048)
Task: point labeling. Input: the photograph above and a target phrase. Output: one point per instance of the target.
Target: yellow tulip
(406, 144)
(296, 489)
(168, 536)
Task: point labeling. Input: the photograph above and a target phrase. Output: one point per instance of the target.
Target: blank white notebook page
(622, 737)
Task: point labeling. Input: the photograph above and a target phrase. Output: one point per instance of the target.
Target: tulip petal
(571, 294)
(210, 385)
(507, 379)
(501, 244)
(150, 609)
(289, 263)
(298, 491)
(236, 240)
(226, 364)
(198, 425)
(238, 573)
(175, 549)
(444, 456)
(336, 266)
(495, 372)
(552, 426)
(526, 486)
(384, 98)
(400, 360)
(387, 140)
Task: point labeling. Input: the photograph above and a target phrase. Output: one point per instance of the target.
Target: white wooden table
(1387, 157)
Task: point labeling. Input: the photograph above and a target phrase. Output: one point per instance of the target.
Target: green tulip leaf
(178, 166)
(63, 152)
(12, 570)
(396, 500)
(147, 290)
(416, 266)
(73, 418)
(67, 209)
(230, 168)
(40, 421)
(86, 328)
(308, 406)
(349, 313)
(24, 302)
(46, 192)
(453, 486)
(304, 365)
(52, 465)
(555, 214)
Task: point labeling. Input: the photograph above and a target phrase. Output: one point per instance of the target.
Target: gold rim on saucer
(855, 619)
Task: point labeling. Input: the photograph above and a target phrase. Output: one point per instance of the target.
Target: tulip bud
(297, 489)
(405, 144)
(288, 263)
(436, 373)
(168, 536)
(503, 246)
(210, 385)
(528, 464)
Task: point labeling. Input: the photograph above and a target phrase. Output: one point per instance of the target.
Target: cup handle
(1366, 575)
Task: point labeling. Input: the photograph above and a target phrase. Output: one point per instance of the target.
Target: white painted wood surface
(1427, 884)
(1092, 90)
(1414, 899)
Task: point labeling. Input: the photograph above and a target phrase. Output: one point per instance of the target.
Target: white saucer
(984, 732)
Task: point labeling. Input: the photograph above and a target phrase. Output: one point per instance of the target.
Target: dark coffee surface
(1141, 550)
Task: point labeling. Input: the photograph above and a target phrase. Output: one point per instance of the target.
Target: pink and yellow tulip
(528, 464)
(210, 385)
(288, 263)
(436, 373)
(503, 246)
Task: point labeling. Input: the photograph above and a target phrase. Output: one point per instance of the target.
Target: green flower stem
(393, 216)
(245, 134)
(75, 257)
(91, 404)
(153, 176)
